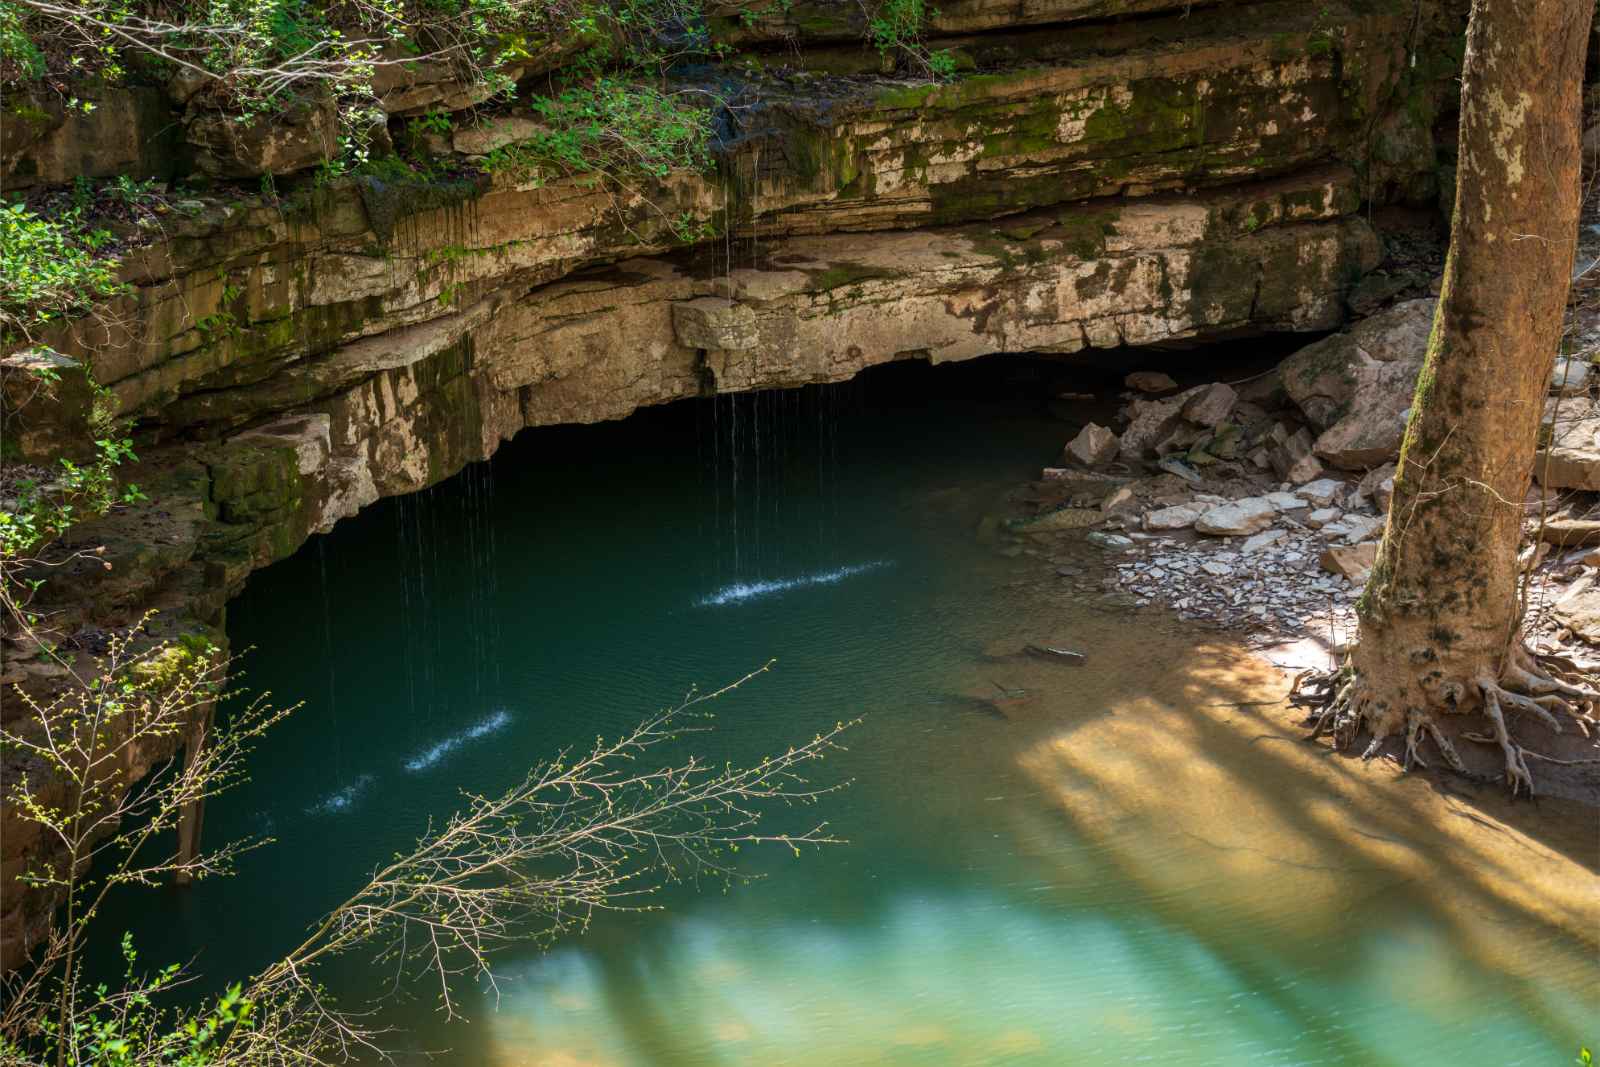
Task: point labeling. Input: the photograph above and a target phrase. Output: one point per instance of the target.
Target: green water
(979, 914)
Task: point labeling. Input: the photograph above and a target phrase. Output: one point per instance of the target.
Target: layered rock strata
(1155, 180)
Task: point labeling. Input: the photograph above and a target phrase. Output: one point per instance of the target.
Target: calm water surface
(1120, 863)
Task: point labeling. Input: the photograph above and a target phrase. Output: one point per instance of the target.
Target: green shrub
(612, 128)
(50, 268)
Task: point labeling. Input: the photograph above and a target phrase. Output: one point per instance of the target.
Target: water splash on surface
(437, 751)
(342, 799)
(739, 592)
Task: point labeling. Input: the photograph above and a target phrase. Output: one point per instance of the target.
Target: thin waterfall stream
(1133, 862)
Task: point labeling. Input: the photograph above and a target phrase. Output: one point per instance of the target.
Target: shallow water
(1126, 861)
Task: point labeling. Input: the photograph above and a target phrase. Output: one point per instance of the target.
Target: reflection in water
(1187, 882)
(1124, 861)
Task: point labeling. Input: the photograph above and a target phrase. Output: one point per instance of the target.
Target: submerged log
(1053, 652)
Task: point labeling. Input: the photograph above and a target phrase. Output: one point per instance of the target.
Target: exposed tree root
(1342, 704)
(1517, 773)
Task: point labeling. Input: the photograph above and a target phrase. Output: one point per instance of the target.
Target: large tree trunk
(1440, 617)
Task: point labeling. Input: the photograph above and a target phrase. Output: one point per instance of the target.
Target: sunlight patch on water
(804, 993)
(341, 800)
(739, 592)
(437, 751)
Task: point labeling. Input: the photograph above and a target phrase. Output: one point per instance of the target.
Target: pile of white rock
(1287, 562)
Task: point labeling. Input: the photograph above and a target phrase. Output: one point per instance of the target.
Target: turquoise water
(1010, 892)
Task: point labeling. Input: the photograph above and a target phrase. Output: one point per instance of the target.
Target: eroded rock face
(295, 138)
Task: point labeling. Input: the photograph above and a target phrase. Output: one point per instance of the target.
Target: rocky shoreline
(1253, 509)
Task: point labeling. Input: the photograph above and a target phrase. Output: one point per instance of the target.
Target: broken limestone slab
(1373, 483)
(1383, 493)
(1262, 540)
(1210, 405)
(488, 134)
(1284, 501)
(1571, 458)
(1320, 493)
(1356, 386)
(1150, 422)
(1095, 446)
(1579, 608)
(1238, 518)
(1292, 458)
(1351, 561)
(1109, 541)
(1353, 528)
(1176, 517)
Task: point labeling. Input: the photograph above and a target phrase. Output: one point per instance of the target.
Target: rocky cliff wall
(1106, 175)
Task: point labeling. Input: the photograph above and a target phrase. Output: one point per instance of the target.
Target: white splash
(739, 592)
(440, 749)
(341, 799)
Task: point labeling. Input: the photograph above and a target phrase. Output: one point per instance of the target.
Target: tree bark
(1440, 614)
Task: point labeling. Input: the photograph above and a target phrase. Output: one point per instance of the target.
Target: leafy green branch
(50, 269)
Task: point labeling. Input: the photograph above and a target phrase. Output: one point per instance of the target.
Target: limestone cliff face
(1103, 180)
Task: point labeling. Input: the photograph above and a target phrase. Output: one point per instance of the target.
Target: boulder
(1109, 541)
(1095, 446)
(1351, 561)
(1579, 608)
(1181, 438)
(1320, 493)
(1150, 422)
(1238, 518)
(291, 139)
(1372, 482)
(1571, 377)
(1570, 458)
(1178, 468)
(1360, 440)
(1321, 517)
(1210, 405)
(1149, 381)
(1292, 458)
(1176, 517)
(1383, 493)
(1119, 499)
(1356, 386)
